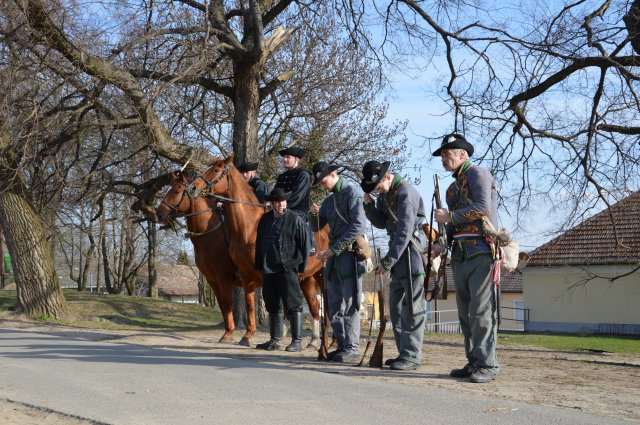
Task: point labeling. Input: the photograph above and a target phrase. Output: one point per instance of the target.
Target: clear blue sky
(424, 111)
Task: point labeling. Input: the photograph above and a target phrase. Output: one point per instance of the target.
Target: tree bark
(38, 287)
(246, 102)
(105, 262)
(632, 22)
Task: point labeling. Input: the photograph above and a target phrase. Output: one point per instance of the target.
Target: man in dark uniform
(282, 249)
(296, 180)
(470, 198)
(249, 172)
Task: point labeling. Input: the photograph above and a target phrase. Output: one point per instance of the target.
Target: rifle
(373, 241)
(323, 352)
(441, 236)
(376, 357)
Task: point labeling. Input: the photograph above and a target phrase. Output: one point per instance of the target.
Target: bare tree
(198, 73)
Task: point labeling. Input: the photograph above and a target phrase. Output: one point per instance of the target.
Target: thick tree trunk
(246, 102)
(632, 22)
(38, 287)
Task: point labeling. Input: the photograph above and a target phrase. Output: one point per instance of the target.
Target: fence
(446, 321)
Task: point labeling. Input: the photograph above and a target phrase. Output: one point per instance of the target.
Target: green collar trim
(338, 187)
(396, 181)
(463, 168)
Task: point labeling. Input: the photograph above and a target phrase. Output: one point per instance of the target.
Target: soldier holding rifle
(470, 197)
(343, 211)
(400, 210)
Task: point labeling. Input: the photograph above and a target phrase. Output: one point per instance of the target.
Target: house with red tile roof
(587, 280)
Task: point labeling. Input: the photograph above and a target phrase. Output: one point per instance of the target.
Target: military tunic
(298, 182)
(471, 196)
(401, 212)
(344, 270)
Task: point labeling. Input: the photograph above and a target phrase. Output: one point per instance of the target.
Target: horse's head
(214, 181)
(176, 202)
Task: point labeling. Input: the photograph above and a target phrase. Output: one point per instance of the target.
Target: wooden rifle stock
(440, 282)
(376, 357)
(323, 352)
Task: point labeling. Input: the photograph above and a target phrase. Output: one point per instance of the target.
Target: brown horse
(212, 255)
(223, 182)
(210, 248)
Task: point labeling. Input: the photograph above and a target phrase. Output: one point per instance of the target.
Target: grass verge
(97, 311)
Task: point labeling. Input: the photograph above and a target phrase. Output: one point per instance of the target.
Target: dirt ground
(603, 384)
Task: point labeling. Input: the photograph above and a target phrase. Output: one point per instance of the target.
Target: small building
(177, 283)
(587, 280)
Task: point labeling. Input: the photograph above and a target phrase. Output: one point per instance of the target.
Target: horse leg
(224, 293)
(309, 291)
(250, 305)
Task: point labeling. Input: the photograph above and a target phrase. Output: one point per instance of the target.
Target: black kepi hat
(321, 170)
(296, 151)
(372, 174)
(454, 141)
(247, 166)
(277, 194)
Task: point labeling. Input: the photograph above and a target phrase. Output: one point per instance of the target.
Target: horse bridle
(174, 209)
(209, 190)
(209, 187)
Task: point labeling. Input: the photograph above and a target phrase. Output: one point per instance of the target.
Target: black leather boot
(295, 317)
(275, 330)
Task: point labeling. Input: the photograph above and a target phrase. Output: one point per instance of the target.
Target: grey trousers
(343, 295)
(477, 310)
(408, 310)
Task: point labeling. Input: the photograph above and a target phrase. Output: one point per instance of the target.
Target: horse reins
(208, 190)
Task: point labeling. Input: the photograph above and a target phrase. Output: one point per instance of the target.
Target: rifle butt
(323, 352)
(377, 355)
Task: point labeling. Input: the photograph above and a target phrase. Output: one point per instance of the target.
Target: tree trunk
(246, 103)
(38, 287)
(632, 22)
(151, 260)
(105, 263)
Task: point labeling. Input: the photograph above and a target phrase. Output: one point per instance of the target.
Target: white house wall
(559, 300)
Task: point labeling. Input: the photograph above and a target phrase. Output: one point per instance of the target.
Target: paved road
(119, 383)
